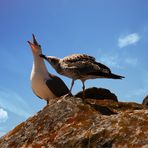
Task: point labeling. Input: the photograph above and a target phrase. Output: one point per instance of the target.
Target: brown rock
(98, 94)
(71, 123)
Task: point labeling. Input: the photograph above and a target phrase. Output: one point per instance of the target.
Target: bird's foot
(68, 95)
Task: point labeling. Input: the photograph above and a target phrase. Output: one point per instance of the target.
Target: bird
(80, 66)
(44, 84)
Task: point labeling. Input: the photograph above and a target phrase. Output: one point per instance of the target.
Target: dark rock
(145, 101)
(69, 122)
(98, 94)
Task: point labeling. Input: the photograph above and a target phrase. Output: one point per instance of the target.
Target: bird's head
(36, 48)
(52, 60)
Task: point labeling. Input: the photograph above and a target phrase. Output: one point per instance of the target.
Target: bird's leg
(72, 83)
(70, 94)
(83, 95)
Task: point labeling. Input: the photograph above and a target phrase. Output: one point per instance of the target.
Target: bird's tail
(114, 76)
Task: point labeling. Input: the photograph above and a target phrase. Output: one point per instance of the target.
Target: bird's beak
(31, 45)
(34, 40)
(34, 46)
(43, 56)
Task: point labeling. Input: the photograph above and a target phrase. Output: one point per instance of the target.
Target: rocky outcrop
(69, 122)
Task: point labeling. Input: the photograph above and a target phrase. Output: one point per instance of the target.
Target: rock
(98, 93)
(145, 101)
(71, 123)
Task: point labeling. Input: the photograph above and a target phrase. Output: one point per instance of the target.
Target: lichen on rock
(69, 122)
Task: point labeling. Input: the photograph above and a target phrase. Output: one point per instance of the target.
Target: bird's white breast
(38, 82)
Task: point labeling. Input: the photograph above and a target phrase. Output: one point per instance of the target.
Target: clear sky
(114, 31)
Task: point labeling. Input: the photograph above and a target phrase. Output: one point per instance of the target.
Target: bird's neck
(54, 62)
(39, 65)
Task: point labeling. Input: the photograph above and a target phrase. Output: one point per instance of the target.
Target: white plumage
(45, 85)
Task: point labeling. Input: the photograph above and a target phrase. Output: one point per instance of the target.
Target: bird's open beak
(34, 40)
(34, 46)
(31, 44)
(43, 56)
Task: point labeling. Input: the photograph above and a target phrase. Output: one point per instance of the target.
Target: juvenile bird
(80, 66)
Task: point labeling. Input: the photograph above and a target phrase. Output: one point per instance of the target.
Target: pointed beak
(34, 40)
(34, 46)
(43, 56)
(30, 44)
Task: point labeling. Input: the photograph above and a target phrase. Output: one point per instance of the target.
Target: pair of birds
(77, 66)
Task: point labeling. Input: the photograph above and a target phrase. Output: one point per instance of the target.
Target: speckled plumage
(80, 66)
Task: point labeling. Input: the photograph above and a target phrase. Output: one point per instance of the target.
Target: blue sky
(115, 32)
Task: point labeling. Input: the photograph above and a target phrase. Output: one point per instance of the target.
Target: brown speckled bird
(80, 66)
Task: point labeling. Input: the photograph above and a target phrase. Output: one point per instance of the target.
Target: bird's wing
(99, 69)
(57, 86)
(78, 57)
(102, 67)
(88, 68)
(104, 71)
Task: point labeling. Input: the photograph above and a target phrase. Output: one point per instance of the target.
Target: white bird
(44, 84)
(80, 66)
